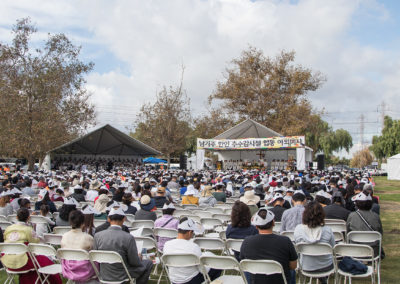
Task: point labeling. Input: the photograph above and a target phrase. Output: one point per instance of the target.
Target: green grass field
(389, 194)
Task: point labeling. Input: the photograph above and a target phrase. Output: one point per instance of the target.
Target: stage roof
(106, 140)
(248, 129)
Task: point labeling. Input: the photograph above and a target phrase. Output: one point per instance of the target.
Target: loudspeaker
(321, 162)
(183, 162)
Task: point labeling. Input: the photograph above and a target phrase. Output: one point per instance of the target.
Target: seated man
(277, 202)
(182, 244)
(115, 239)
(268, 246)
(294, 216)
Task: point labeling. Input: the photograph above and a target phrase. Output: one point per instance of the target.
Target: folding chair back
(189, 206)
(98, 222)
(108, 257)
(42, 249)
(37, 219)
(266, 267)
(4, 225)
(72, 254)
(223, 217)
(216, 210)
(355, 251)
(14, 249)
(222, 235)
(314, 249)
(210, 223)
(337, 227)
(364, 237)
(52, 239)
(4, 218)
(210, 243)
(61, 230)
(143, 224)
(179, 212)
(338, 236)
(234, 244)
(277, 227)
(166, 233)
(148, 243)
(191, 216)
(180, 260)
(203, 214)
(12, 218)
(289, 234)
(223, 263)
(334, 221)
(130, 217)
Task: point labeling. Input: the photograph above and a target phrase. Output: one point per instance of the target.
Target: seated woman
(167, 221)
(127, 200)
(100, 206)
(80, 271)
(207, 198)
(189, 197)
(5, 206)
(88, 224)
(21, 232)
(240, 226)
(68, 206)
(147, 208)
(314, 231)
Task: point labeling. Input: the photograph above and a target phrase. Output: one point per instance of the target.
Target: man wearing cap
(294, 216)
(268, 246)
(277, 202)
(182, 244)
(115, 239)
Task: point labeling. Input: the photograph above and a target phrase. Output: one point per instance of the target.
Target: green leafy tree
(387, 144)
(43, 100)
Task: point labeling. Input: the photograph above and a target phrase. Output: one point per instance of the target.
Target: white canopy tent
(393, 167)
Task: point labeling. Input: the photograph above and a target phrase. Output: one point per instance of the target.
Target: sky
(140, 46)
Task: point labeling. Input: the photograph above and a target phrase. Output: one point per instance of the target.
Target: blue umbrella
(152, 160)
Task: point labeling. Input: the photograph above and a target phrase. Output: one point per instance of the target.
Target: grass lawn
(389, 194)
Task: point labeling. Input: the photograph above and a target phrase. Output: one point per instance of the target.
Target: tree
(387, 144)
(321, 137)
(165, 125)
(361, 159)
(271, 91)
(43, 101)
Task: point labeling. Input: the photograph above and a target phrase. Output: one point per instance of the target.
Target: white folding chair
(52, 239)
(334, 221)
(98, 222)
(147, 225)
(233, 245)
(277, 227)
(149, 244)
(203, 214)
(337, 227)
(210, 223)
(130, 217)
(166, 233)
(4, 225)
(46, 271)
(228, 211)
(289, 234)
(14, 249)
(315, 250)
(73, 254)
(210, 243)
(61, 230)
(190, 206)
(191, 216)
(179, 212)
(180, 260)
(368, 238)
(222, 235)
(109, 257)
(223, 217)
(338, 237)
(216, 210)
(266, 267)
(223, 263)
(55, 215)
(357, 252)
(38, 219)
(4, 219)
(12, 218)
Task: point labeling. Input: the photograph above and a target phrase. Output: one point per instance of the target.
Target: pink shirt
(162, 223)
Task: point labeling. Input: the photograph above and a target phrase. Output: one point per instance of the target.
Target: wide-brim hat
(250, 198)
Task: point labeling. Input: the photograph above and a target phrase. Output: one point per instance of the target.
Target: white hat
(249, 198)
(190, 225)
(257, 220)
(190, 190)
(276, 196)
(299, 192)
(361, 197)
(90, 210)
(112, 205)
(77, 186)
(41, 194)
(169, 206)
(116, 211)
(71, 201)
(289, 189)
(324, 194)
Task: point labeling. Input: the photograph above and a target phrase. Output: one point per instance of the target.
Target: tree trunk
(31, 163)
(169, 160)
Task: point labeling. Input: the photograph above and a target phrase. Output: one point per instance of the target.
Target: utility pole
(362, 127)
(383, 110)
